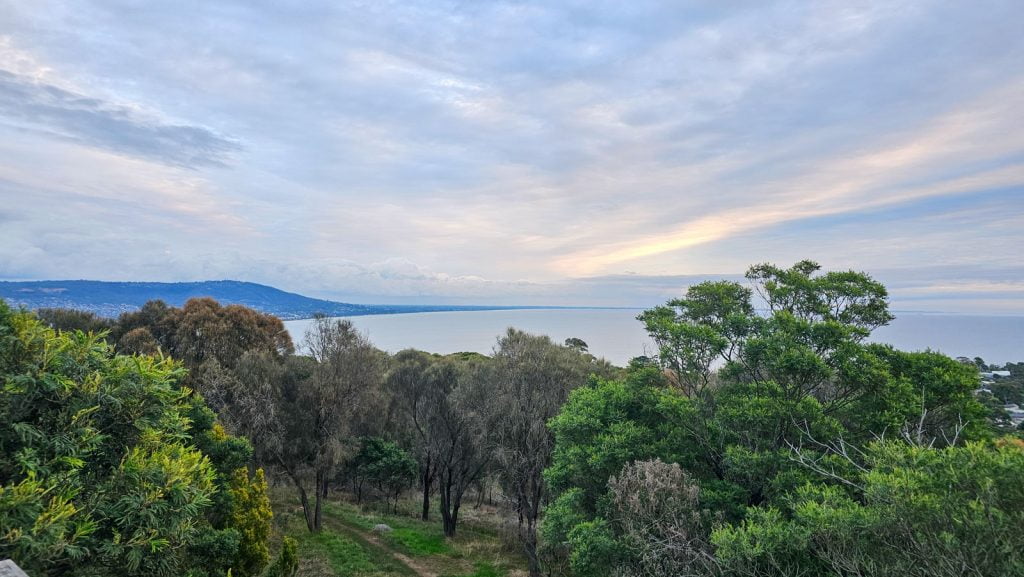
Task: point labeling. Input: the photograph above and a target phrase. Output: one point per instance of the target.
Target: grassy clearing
(338, 550)
(409, 536)
(348, 556)
(482, 570)
(415, 542)
(348, 547)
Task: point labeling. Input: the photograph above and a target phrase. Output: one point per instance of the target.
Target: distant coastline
(110, 299)
(616, 334)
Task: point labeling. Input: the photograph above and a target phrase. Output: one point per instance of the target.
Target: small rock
(381, 528)
(9, 568)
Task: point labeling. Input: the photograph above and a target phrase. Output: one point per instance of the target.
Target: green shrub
(250, 516)
(287, 562)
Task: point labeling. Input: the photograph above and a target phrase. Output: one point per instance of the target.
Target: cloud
(983, 133)
(511, 151)
(30, 103)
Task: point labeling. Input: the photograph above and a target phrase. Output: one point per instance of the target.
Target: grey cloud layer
(504, 150)
(94, 122)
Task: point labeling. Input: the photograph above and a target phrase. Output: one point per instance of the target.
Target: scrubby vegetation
(110, 467)
(768, 437)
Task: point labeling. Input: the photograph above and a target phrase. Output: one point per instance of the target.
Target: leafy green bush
(110, 467)
(911, 510)
(250, 516)
(97, 475)
(287, 562)
(384, 465)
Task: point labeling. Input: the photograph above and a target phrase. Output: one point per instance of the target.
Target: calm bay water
(618, 336)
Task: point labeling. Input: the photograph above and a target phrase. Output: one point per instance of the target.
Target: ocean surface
(616, 335)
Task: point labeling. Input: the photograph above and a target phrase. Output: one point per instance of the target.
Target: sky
(569, 153)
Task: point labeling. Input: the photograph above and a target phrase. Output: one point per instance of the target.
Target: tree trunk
(321, 493)
(317, 514)
(529, 538)
(307, 511)
(529, 498)
(453, 517)
(427, 481)
(449, 511)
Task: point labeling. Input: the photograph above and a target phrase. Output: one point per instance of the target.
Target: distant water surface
(616, 335)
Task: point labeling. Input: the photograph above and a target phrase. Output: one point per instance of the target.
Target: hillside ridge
(111, 298)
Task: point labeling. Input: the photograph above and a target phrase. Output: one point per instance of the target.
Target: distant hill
(109, 299)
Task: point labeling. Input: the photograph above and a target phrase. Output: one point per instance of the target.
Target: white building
(1015, 412)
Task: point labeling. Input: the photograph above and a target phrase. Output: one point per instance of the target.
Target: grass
(482, 569)
(348, 547)
(348, 557)
(417, 542)
(409, 536)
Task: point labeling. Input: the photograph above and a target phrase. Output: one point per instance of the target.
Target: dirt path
(409, 562)
(375, 540)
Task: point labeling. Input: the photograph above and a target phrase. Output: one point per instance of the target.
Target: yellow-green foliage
(97, 473)
(250, 515)
(287, 563)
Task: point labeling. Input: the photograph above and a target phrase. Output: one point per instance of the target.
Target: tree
(529, 380)
(408, 384)
(810, 344)
(450, 418)
(249, 399)
(762, 401)
(317, 408)
(656, 509)
(443, 399)
(73, 320)
(600, 430)
(577, 344)
(385, 465)
(153, 322)
(250, 516)
(695, 332)
(201, 331)
(287, 563)
(221, 543)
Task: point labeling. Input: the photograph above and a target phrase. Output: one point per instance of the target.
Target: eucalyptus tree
(772, 386)
(407, 383)
(318, 402)
(442, 400)
(456, 400)
(529, 381)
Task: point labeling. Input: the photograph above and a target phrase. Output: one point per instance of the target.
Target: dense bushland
(768, 437)
(782, 443)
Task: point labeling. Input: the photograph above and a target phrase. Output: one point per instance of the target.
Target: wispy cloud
(30, 103)
(931, 162)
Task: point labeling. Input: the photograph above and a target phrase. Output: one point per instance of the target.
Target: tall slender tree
(318, 406)
(529, 381)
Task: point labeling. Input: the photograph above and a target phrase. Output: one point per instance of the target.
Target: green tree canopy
(759, 392)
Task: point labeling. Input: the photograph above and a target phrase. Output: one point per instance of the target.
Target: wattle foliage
(250, 516)
(109, 467)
